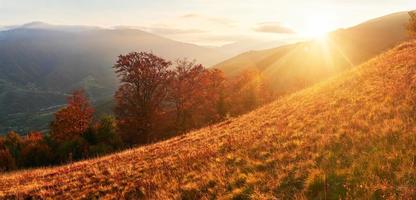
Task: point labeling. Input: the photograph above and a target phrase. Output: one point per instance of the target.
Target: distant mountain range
(236, 48)
(41, 63)
(295, 66)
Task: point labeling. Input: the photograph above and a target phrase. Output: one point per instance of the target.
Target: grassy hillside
(296, 66)
(352, 136)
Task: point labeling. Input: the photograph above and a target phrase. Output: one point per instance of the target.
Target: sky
(206, 22)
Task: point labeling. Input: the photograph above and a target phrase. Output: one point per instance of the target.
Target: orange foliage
(74, 119)
(214, 88)
(154, 100)
(35, 152)
(7, 162)
(144, 80)
(195, 93)
(34, 136)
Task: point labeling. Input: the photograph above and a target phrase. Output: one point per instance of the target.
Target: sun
(317, 26)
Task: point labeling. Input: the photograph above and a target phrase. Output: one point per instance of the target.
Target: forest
(156, 100)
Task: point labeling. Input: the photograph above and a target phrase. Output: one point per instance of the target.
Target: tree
(106, 133)
(14, 143)
(71, 150)
(187, 93)
(103, 138)
(214, 109)
(411, 27)
(36, 151)
(7, 162)
(2, 146)
(195, 93)
(144, 81)
(73, 120)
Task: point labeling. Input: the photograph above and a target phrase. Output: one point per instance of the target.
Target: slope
(352, 136)
(296, 66)
(39, 61)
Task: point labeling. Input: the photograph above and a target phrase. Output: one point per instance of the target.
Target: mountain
(295, 66)
(44, 62)
(236, 48)
(349, 137)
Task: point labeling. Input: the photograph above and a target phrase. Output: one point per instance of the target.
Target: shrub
(7, 162)
(13, 142)
(35, 154)
(99, 149)
(71, 150)
(103, 138)
(107, 134)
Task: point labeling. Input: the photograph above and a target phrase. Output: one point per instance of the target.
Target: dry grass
(350, 137)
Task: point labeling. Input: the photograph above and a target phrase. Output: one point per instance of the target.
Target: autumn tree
(14, 143)
(7, 162)
(411, 27)
(2, 146)
(71, 121)
(187, 93)
(144, 84)
(35, 151)
(195, 94)
(214, 108)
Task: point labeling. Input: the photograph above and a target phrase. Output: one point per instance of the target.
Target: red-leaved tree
(187, 94)
(73, 120)
(144, 84)
(214, 109)
(195, 93)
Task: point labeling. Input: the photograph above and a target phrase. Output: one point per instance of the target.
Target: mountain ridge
(290, 64)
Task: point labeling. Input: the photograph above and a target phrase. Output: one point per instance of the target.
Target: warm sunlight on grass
(350, 137)
(214, 100)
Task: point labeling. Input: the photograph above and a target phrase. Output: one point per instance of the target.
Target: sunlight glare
(318, 26)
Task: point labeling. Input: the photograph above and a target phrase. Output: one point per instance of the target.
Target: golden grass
(351, 137)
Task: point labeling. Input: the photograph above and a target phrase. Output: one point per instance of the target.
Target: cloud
(210, 19)
(173, 31)
(191, 15)
(163, 30)
(273, 27)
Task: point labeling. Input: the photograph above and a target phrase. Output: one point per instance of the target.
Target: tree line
(156, 99)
